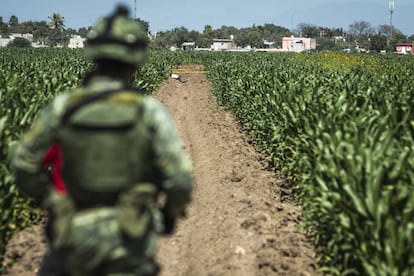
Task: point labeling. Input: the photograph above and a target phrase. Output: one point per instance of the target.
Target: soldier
(126, 178)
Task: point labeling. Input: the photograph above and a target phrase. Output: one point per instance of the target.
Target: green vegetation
(20, 43)
(340, 127)
(29, 78)
(360, 34)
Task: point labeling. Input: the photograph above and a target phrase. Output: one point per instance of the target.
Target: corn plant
(340, 127)
(29, 78)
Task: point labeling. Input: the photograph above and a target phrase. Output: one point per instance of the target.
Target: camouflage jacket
(98, 164)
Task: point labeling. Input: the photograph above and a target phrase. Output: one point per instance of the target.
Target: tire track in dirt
(238, 222)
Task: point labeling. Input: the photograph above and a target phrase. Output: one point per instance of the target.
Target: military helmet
(117, 38)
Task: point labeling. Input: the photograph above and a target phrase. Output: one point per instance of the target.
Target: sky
(164, 15)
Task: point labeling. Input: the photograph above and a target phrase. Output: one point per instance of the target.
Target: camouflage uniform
(120, 153)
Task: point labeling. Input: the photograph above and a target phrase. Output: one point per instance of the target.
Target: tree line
(51, 33)
(360, 34)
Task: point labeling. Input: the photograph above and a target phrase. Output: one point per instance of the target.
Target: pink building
(404, 48)
(298, 44)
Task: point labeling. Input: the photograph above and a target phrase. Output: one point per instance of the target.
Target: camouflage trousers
(97, 246)
(55, 264)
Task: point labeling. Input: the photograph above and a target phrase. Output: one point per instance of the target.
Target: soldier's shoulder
(59, 103)
(152, 105)
(151, 102)
(154, 110)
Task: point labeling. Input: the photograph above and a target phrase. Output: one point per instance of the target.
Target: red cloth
(53, 158)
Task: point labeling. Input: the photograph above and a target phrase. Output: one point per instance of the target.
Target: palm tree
(13, 22)
(57, 21)
(57, 35)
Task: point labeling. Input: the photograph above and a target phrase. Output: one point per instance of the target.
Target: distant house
(5, 41)
(269, 44)
(39, 45)
(76, 41)
(222, 44)
(298, 44)
(188, 46)
(339, 38)
(404, 48)
(25, 36)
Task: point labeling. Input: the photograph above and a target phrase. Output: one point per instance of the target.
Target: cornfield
(340, 127)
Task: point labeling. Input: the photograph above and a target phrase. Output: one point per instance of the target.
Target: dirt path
(241, 220)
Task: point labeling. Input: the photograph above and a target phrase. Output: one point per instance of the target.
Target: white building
(25, 36)
(5, 41)
(222, 44)
(188, 46)
(76, 41)
(269, 44)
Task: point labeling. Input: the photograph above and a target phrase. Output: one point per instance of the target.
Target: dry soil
(242, 220)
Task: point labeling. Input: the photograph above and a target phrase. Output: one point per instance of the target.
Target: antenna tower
(135, 9)
(391, 8)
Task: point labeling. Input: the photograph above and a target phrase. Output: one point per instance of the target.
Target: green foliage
(341, 129)
(19, 42)
(253, 36)
(29, 78)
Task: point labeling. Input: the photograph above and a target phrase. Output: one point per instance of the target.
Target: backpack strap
(91, 99)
